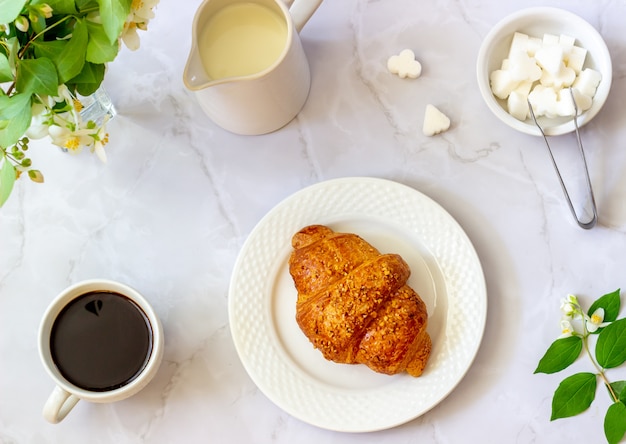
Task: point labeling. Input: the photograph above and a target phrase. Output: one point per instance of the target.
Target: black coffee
(101, 341)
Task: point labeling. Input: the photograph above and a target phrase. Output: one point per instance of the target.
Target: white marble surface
(170, 211)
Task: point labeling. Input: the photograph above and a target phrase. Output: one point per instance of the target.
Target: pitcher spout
(194, 75)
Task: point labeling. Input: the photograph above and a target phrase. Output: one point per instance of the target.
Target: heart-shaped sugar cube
(435, 121)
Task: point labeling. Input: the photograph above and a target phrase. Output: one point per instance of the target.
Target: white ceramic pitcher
(245, 102)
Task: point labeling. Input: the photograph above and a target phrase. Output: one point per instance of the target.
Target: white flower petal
(36, 131)
(57, 131)
(591, 327)
(566, 329)
(131, 38)
(98, 148)
(598, 315)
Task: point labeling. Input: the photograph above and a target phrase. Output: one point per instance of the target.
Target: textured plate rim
(313, 396)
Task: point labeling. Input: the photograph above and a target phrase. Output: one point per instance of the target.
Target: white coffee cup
(250, 98)
(66, 393)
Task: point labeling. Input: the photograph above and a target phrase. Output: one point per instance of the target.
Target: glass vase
(97, 107)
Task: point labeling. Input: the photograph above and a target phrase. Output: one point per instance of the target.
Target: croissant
(354, 304)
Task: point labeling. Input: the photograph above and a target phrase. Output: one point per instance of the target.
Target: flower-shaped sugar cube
(523, 67)
(404, 65)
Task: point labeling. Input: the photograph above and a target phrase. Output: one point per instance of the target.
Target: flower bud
(45, 10)
(22, 23)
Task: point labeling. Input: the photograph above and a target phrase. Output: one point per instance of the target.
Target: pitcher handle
(301, 11)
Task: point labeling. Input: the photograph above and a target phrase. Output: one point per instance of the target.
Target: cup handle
(59, 405)
(301, 11)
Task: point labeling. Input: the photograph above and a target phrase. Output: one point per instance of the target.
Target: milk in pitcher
(242, 39)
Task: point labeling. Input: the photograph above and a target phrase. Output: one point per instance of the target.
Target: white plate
(281, 361)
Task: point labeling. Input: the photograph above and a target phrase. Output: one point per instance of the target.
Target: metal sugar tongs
(592, 222)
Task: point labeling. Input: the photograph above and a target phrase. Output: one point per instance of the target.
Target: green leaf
(113, 14)
(100, 49)
(7, 179)
(574, 395)
(615, 423)
(10, 106)
(72, 58)
(38, 76)
(50, 49)
(610, 303)
(10, 9)
(82, 5)
(561, 354)
(15, 128)
(89, 80)
(622, 393)
(61, 7)
(611, 345)
(91, 73)
(5, 69)
(618, 388)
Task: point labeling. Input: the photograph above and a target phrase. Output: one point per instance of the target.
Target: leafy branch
(52, 52)
(575, 393)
